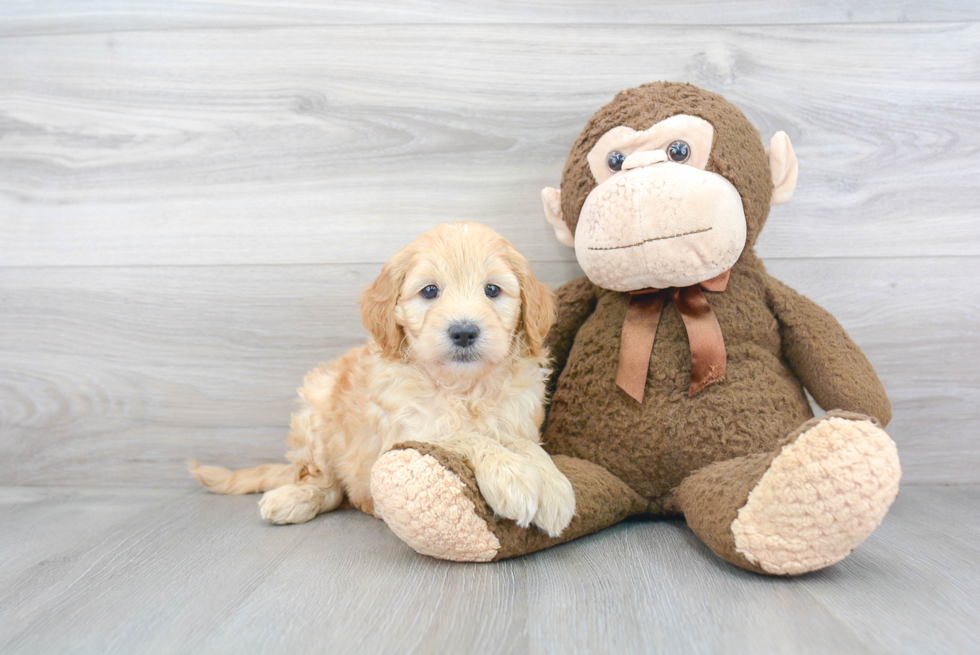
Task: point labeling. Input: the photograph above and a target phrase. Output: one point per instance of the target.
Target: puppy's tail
(245, 481)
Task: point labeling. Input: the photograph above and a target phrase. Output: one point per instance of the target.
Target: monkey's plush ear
(783, 167)
(552, 212)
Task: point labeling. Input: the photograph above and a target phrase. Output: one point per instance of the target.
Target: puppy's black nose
(463, 334)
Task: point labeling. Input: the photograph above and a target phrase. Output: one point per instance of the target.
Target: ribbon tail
(718, 283)
(708, 357)
(636, 344)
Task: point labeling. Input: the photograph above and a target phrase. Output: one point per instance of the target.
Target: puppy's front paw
(291, 503)
(556, 505)
(510, 485)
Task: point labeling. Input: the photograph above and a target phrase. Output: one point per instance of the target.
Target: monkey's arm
(575, 301)
(824, 358)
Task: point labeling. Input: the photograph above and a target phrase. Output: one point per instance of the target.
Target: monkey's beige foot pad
(430, 508)
(823, 494)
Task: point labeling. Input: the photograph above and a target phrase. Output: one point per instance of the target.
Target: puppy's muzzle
(463, 335)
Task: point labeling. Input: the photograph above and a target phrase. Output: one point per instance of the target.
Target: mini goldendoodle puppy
(455, 358)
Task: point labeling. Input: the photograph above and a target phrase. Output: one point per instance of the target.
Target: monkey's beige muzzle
(659, 224)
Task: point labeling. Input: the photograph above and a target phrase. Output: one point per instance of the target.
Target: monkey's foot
(429, 506)
(821, 496)
(803, 507)
(429, 497)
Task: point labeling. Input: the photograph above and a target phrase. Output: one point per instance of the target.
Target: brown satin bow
(708, 359)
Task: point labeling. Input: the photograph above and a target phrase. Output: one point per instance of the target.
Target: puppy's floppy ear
(378, 302)
(537, 305)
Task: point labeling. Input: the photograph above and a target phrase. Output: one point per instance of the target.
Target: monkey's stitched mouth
(672, 236)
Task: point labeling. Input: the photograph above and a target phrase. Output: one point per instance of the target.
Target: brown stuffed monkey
(679, 363)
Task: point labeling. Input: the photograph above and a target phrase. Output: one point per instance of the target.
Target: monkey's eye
(492, 290)
(430, 292)
(678, 152)
(614, 160)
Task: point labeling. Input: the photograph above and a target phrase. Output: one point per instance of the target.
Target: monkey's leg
(429, 497)
(802, 507)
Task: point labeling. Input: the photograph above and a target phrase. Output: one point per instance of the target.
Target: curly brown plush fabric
(654, 446)
(712, 497)
(602, 501)
(776, 339)
(704, 456)
(736, 154)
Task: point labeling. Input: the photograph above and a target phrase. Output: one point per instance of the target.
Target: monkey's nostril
(463, 334)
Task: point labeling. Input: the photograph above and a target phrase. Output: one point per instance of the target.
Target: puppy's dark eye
(492, 290)
(430, 292)
(614, 160)
(678, 152)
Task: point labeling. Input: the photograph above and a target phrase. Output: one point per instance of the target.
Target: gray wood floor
(180, 571)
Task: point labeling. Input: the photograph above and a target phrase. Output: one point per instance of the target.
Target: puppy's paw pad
(291, 503)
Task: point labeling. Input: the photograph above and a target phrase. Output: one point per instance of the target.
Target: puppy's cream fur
(411, 383)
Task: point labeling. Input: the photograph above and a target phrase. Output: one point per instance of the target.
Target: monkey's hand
(824, 358)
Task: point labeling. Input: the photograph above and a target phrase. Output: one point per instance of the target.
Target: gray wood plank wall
(192, 195)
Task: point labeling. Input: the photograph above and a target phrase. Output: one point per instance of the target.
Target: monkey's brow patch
(672, 236)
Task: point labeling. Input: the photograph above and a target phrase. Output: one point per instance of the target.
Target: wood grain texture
(939, 572)
(73, 16)
(37, 524)
(116, 376)
(338, 144)
(192, 194)
(194, 572)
